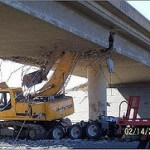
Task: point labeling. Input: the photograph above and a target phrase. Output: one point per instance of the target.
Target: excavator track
(21, 130)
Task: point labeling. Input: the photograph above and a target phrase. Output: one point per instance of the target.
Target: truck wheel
(93, 131)
(75, 132)
(57, 132)
(32, 134)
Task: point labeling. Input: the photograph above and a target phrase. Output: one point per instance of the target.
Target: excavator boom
(54, 85)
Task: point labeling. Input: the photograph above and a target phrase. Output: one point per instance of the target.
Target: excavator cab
(5, 98)
(10, 96)
(5, 101)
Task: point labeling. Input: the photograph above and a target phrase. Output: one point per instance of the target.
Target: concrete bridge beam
(81, 26)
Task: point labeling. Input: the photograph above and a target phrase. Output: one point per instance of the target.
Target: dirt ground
(66, 144)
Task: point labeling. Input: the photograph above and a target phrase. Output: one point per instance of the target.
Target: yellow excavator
(41, 114)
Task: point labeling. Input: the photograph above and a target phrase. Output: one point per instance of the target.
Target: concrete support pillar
(96, 92)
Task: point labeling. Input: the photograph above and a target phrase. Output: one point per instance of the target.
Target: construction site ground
(8, 143)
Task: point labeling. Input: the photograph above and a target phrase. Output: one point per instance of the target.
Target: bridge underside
(27, 39)
(127, 71)
(25, 36)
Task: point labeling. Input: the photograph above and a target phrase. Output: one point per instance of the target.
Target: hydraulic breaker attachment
(34, 78)
(37, 77)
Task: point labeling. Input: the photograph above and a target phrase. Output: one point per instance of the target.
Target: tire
(32, 134)
(35, 132)
(75, 132)
(57, 132)
(93, 130)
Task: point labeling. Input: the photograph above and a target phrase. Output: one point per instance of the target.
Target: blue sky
(142, 6)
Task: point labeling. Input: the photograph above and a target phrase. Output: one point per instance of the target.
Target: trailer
(130, 124)
(114, 127)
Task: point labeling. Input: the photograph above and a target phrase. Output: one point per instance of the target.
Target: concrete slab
(78, 25)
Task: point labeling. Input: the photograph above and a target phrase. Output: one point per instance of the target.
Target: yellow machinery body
(21, 109)
(14, 106)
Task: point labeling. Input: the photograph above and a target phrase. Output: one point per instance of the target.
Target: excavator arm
(54, 85)
(56, 82)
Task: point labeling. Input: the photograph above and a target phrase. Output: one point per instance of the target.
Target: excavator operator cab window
(5, 102)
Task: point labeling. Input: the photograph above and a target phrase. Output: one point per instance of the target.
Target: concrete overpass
(29, 28)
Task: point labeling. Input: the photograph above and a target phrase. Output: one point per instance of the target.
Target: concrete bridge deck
(83, 25)
(28, 28)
